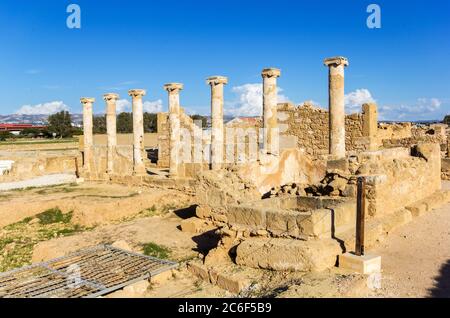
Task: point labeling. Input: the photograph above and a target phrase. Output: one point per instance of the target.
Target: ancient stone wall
(398, 182)
(30, 164)
(309, 125)
(122, 161)
(407, 135)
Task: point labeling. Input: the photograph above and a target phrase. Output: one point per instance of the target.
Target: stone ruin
(285, 199)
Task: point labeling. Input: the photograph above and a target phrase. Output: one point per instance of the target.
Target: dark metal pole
(360, 216)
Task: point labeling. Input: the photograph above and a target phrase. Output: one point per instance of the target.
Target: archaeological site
(211, 157)
(253, 206)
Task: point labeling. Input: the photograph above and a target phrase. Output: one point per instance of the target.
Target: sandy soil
(416, 258)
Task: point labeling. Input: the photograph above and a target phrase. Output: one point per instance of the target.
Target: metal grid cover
(87, 273)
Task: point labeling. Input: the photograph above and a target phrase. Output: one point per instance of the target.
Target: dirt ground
(92, 203)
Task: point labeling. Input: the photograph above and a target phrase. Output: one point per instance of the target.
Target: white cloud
(124, 105)
(354, 100)
(153, 107)
(249, 101)
(42, 109)
(422, 109)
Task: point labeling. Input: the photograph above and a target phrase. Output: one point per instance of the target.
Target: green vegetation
(18, 240)
(60, 124)
(125, 123)
(54, 216)
(99, 124)
(446, 120)
(203, 119)
(15, 141)
(155, 250)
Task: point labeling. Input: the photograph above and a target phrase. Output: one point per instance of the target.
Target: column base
(366, 264)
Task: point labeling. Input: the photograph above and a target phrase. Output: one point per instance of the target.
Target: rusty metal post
(360, 216)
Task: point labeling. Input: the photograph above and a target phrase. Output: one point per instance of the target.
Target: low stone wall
(122, 162)
(398, 182)
(27, 165)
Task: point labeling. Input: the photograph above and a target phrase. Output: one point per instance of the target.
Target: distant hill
(34, 119)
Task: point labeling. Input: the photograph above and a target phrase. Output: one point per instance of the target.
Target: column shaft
(138, 131)
(111, 130)
(87, 133)
(270, 103)
(174, 126)
(336, 106)
(217, 128)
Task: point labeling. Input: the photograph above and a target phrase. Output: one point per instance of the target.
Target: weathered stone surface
(287, 254)
(317, 224)
(203, 211)
(192, 225)
(253, 217)
(396, 219)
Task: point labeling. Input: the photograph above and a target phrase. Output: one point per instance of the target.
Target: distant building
(15, 129)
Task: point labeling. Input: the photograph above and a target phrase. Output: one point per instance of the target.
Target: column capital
(87, 100)
(336, 61)
(216, 80)
(173, 87)
(271, 72)
(137, 92)
(110, 97)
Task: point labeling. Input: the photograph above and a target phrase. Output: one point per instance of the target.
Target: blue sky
(45, 66)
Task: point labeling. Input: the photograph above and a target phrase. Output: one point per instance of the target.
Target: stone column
(336, 67)
(174, 126)
(217, 129)
(87, 132)
(111, 130)
(370, 124)
(138, 131)
(270, 102)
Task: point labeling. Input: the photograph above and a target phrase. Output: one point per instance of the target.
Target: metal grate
(87, 273)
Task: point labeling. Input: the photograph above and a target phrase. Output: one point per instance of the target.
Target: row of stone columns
(270, 101)
(111, 130)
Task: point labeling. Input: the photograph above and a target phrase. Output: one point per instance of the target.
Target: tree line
(60, 125)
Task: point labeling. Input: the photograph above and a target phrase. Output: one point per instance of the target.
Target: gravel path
(43, 181)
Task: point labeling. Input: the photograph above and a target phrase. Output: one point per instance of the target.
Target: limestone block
(199, 270)
(247, 216)
(281, 222)
(344, 213)
(339, 165)
(203, 211)
(318, 224)
(192, 225)
(366, 264)
(288, 254)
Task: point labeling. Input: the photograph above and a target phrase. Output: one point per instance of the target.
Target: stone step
(230, 277)
(281, 254)
(431, 202)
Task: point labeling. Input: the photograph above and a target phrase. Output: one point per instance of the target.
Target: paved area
(43, 181)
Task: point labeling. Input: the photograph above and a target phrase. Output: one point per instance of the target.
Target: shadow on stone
(186, 213)
(206, 241)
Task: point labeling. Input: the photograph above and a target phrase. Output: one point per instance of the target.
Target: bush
(54, 216)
